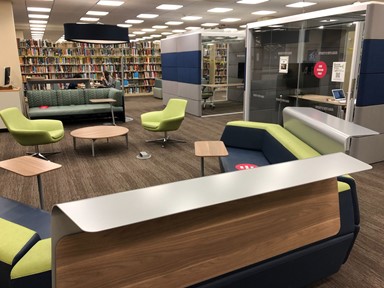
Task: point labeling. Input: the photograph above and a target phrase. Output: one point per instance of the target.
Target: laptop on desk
(338, 95)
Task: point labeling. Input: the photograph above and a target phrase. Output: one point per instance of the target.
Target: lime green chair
(166, 120)
(32, 132)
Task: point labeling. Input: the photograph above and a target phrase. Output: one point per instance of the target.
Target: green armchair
(32, 132)
(166, 120)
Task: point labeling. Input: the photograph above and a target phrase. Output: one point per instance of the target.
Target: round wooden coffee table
(99, 132)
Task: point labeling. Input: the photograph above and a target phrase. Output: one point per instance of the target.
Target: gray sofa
(76, 102)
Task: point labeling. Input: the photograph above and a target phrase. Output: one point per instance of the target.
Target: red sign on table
(245, 166)
(320, 69)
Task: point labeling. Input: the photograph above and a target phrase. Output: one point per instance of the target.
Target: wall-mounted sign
(320, 69)
(283, 65)
(338, 71)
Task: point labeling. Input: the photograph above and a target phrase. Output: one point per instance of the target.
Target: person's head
(106, 74)
(77, 75)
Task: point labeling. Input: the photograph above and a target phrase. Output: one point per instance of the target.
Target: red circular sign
(320, 69)
(245, 166)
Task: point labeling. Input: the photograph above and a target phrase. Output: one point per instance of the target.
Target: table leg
(113, 115)
(40, 187)
(202, 166)
(93, 147)
(74, 143)
(126, 139)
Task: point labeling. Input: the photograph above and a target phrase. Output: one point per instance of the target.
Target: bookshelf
(215, 63)
(135, 64)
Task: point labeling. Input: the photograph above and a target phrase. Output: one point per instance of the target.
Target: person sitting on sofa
(107, 81)
(74, 85)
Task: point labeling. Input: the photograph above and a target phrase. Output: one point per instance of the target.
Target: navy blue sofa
(265, 144)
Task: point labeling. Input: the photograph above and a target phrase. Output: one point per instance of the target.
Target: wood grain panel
(187, 248)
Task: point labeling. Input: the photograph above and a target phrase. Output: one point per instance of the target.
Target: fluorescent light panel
(147, 16)
(263, 12)
(191, 18)
(89, 19)
(38, 9)
(300, 4)
(160, 26)
(134, 21)
(173, 23)
(38, 21)
(169, 7)
(124, 25)
(220, 10)
(110, 3)
(97, 13)
(209, 24)
(230, 19)
(38, 16)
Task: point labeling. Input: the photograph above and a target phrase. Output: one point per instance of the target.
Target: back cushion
(70, 97)
(96, 94)
(274, 151)
(37, 98)
(243, 137)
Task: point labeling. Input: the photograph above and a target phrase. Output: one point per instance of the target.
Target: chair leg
(164, 140)
(39, 154)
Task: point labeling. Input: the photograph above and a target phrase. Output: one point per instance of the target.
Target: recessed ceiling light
(37, 25)
(37, 29)
(321, 27)
(243, 26)
(209, 24)
(173, 23)
(89, 19)
(41, 16)
(160, 26)
(179, 31)
(124, 25)
(147, 37)
(300, 4)
(263, 12)
(38, 9)
(191, 18)
(156, 36)
(220, 10)
(251, 1)
(166, 33)
(148, 29)
(139, 32)
(192, 28)
(230, 29)
(230, 19)
(37, 32)
(147, 16)
(38, 21)
(110, 3)
(169, 7)
(97, 13)
(134, 21)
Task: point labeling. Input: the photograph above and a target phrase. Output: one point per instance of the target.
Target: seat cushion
(34, 269)
(15, 241)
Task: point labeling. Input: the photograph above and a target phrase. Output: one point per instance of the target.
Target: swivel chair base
(41, 155)
(164, 140)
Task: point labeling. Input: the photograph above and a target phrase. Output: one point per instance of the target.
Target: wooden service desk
(322, 99)
(182, 233)
(323, 103)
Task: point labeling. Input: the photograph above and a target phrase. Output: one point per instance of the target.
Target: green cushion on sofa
(37, 260)
(37, 98)
(14, 238)
(293, 144)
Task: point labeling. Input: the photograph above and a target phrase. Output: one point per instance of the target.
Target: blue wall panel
(182, 67)
(372, 60)
(370, 90)
(189, 59)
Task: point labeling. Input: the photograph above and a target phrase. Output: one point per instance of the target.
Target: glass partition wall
(291, 62)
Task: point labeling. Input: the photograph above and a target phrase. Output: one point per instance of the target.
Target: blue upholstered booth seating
(74, 102)
(267, 144)
(25, 246)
